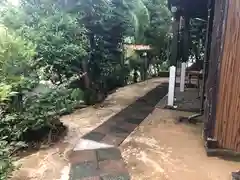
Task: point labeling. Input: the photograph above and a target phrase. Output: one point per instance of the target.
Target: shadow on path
(96, 155)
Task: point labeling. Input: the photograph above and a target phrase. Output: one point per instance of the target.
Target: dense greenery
(58, 54)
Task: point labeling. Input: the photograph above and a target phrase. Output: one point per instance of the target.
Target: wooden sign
(139, 47)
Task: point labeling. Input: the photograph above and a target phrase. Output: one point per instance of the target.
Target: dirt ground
(52, 163)
(160, 149)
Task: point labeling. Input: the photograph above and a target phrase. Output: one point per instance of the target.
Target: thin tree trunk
(135, 75)
(86, 75)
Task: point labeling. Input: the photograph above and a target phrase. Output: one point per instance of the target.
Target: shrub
(6, 162)
(25, 106)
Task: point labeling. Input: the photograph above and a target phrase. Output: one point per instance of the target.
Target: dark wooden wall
(227, 127)
(214, 67)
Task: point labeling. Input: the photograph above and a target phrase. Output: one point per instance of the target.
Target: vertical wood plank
(227, 130)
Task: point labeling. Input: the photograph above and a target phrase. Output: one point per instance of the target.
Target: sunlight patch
(85, 144)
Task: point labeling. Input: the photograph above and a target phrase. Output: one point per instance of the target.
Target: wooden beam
(207, 49)
(171, 85)
(186, 39)
(185, 54)
(173, 59)
(174, 44)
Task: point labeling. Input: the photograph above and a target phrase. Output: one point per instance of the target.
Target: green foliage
(15, 57)
(6, 92)
(6, 162)
(139, 15)
(198, 30)
(60, 40)
(154, 32)
(157, 34)
(23, 109)
(106, 26)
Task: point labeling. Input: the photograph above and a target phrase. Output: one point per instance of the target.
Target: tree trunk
(86, 75)
(135, 75)
(145, 67)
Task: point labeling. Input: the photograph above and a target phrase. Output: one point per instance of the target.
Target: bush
(6, 162)
(25, 106)
(39, 111)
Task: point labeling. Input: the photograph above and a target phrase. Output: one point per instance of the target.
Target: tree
(198, 37)
(155, 32)
(157, 35)
(60, 39)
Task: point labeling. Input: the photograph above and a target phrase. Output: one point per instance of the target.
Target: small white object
(174, 9)
(183, 76)
(171, 86)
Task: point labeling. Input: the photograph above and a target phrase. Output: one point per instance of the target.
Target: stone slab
(94, 136)
(108, 154)
(82, 156)
(83, 170)
(116, 177)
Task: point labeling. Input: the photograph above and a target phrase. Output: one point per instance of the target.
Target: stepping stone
(129, 127)
(135, 120)
(94, 136)
(108, 154)
(85, 144)
(112, 140)
(116, 129)
(116, 177)
(104, 129)
(119, 132)
(91, 178)
(112, 166)
(83, 156)
(83, 170)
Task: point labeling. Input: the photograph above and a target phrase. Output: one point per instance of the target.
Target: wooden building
(221, 72)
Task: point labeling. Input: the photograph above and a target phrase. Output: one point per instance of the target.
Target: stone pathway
(96, 155)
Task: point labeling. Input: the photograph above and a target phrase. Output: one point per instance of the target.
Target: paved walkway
(96, 156)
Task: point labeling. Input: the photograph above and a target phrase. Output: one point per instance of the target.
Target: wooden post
(171, 87)
(173, 60)
(183, 75)
(174, 46)
(185, 52)
(207, 49)
(145, 58)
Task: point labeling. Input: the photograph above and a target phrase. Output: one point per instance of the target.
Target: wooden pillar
(174, 44)
(207, 49)
(173, 60)
(185, 52)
